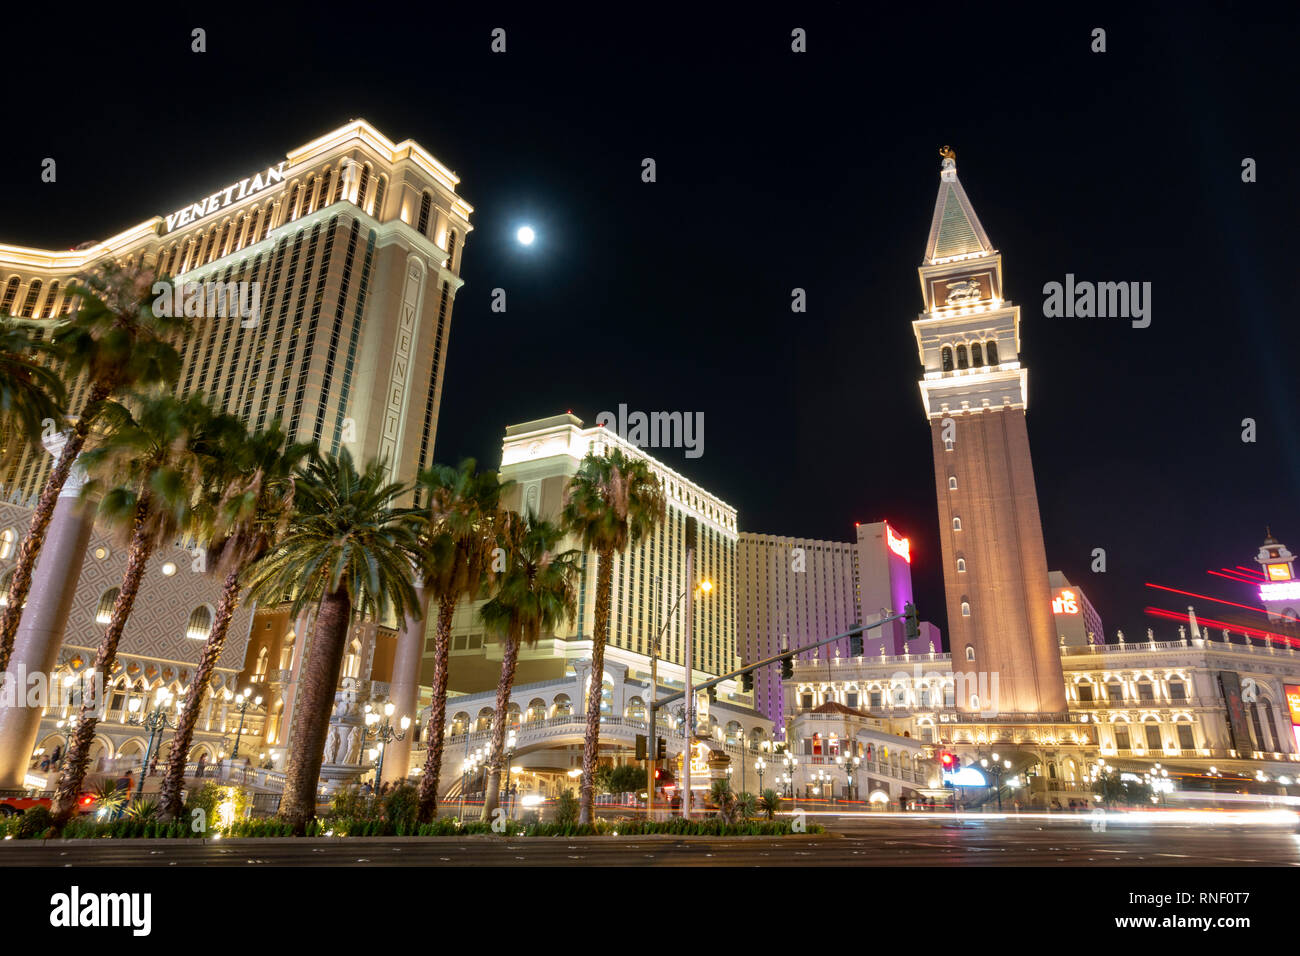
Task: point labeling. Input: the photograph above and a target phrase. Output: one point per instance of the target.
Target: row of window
(979, 354)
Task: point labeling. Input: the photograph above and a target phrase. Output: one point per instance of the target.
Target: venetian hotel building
(356, 243)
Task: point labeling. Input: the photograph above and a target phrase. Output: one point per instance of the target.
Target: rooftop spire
(955, 230)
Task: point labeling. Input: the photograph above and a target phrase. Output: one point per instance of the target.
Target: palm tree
(148, 466)
(611, 501)
(30, 393)
(538, 590)
(459, 529)
(249, 499)
(117, 342)
(724, 799)
(348, 551)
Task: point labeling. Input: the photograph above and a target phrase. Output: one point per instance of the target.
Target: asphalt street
(850, 841)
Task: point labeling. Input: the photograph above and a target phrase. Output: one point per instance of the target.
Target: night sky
(779, 170)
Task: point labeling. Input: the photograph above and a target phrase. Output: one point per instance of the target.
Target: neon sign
(1292, 692)
(1280, 591)
(1279, 572)
(900, 546)
(1065, 603)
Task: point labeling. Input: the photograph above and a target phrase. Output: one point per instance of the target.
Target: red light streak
(1251, 631)
(1233, 577)
(1206, 597)
(1252, 571)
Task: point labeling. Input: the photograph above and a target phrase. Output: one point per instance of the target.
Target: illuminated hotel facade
(356, 243)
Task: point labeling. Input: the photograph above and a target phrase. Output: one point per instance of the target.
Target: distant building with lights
(1077, 621)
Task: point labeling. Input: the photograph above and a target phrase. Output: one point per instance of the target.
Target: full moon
(525, 235)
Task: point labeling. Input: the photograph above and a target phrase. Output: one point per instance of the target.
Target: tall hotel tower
(355, 241)
(974, 392)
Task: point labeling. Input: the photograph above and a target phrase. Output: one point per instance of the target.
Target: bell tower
(974, 391)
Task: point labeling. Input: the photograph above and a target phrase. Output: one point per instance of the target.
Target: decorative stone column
(404, 689)
(45, 618)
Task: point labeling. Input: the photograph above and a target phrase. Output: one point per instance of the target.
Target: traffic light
(787, 668)
(661, 749)
(913, 625)
(747, 682)
(640, 747)
(855, 644)
(948, 761)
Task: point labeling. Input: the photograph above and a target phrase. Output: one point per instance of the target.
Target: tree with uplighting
(612, 501)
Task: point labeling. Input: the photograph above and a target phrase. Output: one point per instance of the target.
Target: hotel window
(1146, 690)
(1261, 742)
(1153, 737)
(422, 224)
(970, 648)
(875, 699)
(991, 351)
(946, 354)
(952, 482)
(363, 183)
(1186, 739)
(947, 444)
(962, 361)
(380, 184)
(956, 524)
(200, 624)
(961, 564)
(851, 700)
(104, 612)
(293, 202)
(1177, 690)
(976, 355)
(1267, 709)
(1085, 692)
(338, 185)
(1121, 737)
(7, 538)
(11, 290)
(51, 301)
(29, 303)
(965, 608)
(1114, 690)
(451, 250)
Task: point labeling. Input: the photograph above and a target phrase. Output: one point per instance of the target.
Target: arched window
(962, 360)
(7, 539)
(947, 444)
(563, 706)
(377, 210)
(104, 611)
(961, 564)
(259, 671)
(11, 291)
(536, 710)
(426, 204)
(451, 250)
(293, 202)
(225, 237)
(946, 353)
(956, 524)
(51, 301)
(29, 303)
(363, 183)
(976, 355)
(308, 190)
(352, 663)
(286, 651)
(952, 482)
(200, 624)
(1267, 710)
(254, 220)
(965, 608)
(991, 351)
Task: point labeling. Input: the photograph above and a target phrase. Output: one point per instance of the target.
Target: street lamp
(155, 722)
(791, 762)
(850, 765)
(381, 728)
(242, 705)
(760, 765)
(996, 767)
(512, 738)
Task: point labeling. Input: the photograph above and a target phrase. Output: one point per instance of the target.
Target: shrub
(746, 805)
(566, 808)
(401, 806)
(36, 822)
(144, 809)
(769, 803)
(206, 798)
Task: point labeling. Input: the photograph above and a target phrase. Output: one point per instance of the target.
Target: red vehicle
(10, 806)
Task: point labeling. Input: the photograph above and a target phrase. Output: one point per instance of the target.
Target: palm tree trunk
(74, 764)
(599, 635)
(319, 681)
(433, 736)
(509, 658)
(30, 549)
(169, 797)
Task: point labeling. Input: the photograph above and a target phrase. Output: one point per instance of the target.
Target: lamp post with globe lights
(850, 766)
(996, 766)
(155, 722)
(380, 727)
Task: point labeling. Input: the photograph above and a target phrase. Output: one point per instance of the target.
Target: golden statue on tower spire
(947, 153)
